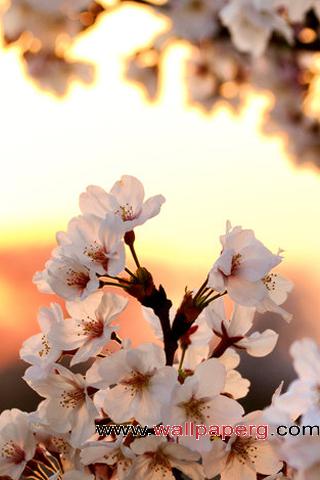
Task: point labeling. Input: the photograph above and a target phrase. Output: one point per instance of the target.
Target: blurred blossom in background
(211, 164)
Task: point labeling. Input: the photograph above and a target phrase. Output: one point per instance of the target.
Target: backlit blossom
(195, 19)
(242, 457)
(70, 279)
(156, 457)
(236, 386)
(199, 401)
(38, 349)
(278, 288)
(90, 326)
(55, 443)
(243, 264)
(143, 383)
(303, 395)
(68, 405)
(96, 243)
(108, 452)
(17, 443)
(251, 24)
(126, 199)
(302, 453)
(236, 329)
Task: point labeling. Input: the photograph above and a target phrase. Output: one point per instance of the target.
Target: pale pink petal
(259, 344)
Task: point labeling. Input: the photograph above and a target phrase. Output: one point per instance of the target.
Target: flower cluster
(189, 376)
(44, 29)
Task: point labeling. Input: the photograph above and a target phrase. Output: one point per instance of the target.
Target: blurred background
(211, 165)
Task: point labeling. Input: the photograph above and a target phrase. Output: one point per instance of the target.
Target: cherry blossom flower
(143, 69)
(109, 453)
(199, 401)
(210, 69)
(55, 73)
(243, 264)
(156, 457)
(242, 457)
(236, 386)
(55, 443)
(143, 383)
(38, 349)
(126, 199)
(68, 405)
(40, 279)
(17, 443)
(90, 326)
(274, 416)
(252, 23)
(234, 331)
(97, 244)
(302, 453)
(70, 279)
(195, 20)
(278, 288)
(303, 395)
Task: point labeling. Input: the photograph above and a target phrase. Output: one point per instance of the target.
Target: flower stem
(201, 289)
(129, 240)
(182, 358)
(135, 258)
(205, 304)
(204, 299)
(131, 273)
(119, 279)
(111, 284)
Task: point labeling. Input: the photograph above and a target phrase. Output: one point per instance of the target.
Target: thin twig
(201, 289)
(134, 255)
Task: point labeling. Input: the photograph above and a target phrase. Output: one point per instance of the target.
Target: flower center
(45, 346)
(117, 457)
(60, 445)
(235, 263)
(77, 279)
(195, 409)
(202, 69)
(158, 463)
(91, 327)
(195, 5)
(13, 453)
(97, 254)
(137, 382)
(244, 449)
(125, 212)
(73, 398)
(270, 281)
